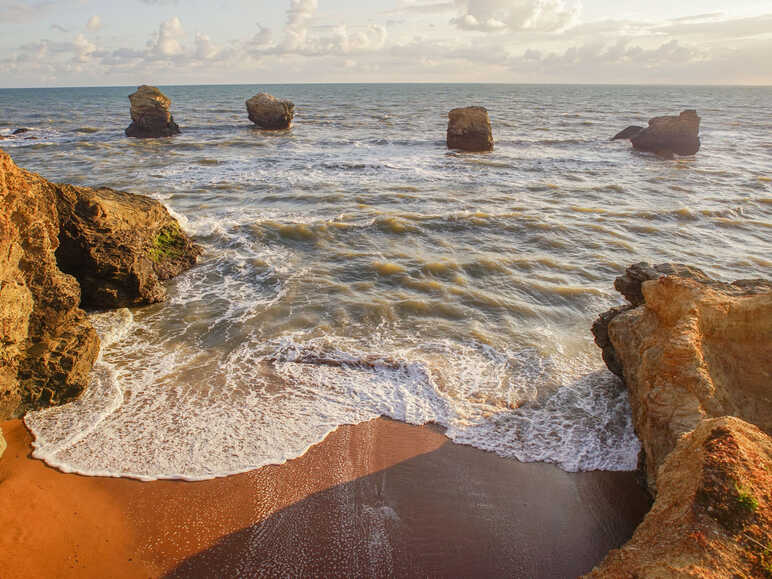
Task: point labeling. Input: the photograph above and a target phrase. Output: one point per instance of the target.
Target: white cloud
(423, 7)
(205, 50)
(166, 42)
(82, 48)
(263, 37)
(496, 15)
(94, 23)
(299, 15)
(515, 42)
(18, 11)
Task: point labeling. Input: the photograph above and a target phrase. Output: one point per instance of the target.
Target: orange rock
(119, 246)
(469, 129)
(48, 344)
(713, 512)
(150, 116)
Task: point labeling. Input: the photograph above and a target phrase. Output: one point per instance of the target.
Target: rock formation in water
(627, 133)
(20, 131)
(713, 512)
(150, 117)
(469, 129)
(666, 136)
(268, 112)
(120, 246)
(688, 348)
(117, 244)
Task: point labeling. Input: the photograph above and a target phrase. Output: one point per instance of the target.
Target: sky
(163, 42)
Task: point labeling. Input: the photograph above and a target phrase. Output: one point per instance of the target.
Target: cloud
(716, 29)
(263, 37)
(82, 49)
(94, 23)
(499, 15)
(204, 50)
(698, 17)
(166, 42)
(18, 11)
(418, 7)
(59, 28)
(299, 15)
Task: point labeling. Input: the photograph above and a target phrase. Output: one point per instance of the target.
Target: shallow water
(354, 267)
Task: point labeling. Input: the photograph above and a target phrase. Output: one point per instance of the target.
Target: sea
(354, 267)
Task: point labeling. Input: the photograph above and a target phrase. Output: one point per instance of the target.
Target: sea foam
(182, 412)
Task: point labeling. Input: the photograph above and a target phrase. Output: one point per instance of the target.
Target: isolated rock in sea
(469, 129)
(268, 112)
(667, 136)
(120, 246)
(150, 115)
(689, 348)
(713, 513)
(627, 133)
(48, 344)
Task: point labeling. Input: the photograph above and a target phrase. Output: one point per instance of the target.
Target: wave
(266, 402)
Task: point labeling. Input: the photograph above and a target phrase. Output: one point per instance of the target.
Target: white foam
(172, 410)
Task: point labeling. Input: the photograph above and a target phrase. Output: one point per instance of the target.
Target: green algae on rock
(120, 246)
(62, 247)
(700, 524)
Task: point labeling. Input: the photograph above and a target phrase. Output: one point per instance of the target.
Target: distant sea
(354, 267)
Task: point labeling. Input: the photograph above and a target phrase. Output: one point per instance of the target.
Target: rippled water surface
(354, 267)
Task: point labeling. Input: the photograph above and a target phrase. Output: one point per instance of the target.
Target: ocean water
(355, 268)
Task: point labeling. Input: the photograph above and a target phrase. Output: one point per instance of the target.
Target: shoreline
(381, 497)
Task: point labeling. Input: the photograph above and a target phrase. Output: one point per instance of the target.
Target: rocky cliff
(118, 245)
(689, 348)
(696, 357)
(48, 344)
(713, 513)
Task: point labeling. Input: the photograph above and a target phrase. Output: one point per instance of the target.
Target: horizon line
(409, 82)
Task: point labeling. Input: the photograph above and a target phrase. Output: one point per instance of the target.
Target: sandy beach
(379, 498)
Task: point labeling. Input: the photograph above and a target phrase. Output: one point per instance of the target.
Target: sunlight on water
(359, 269)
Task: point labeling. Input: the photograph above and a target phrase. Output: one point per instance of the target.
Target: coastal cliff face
(48, 344)
(689, 348)
(696, 357)
(713, 513)
(117, 245)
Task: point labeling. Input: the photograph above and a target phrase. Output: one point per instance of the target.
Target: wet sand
(379, 498)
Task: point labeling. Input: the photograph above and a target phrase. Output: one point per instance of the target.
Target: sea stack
(268, 112)
(150, 116)
(666, 136)
(469, 129)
